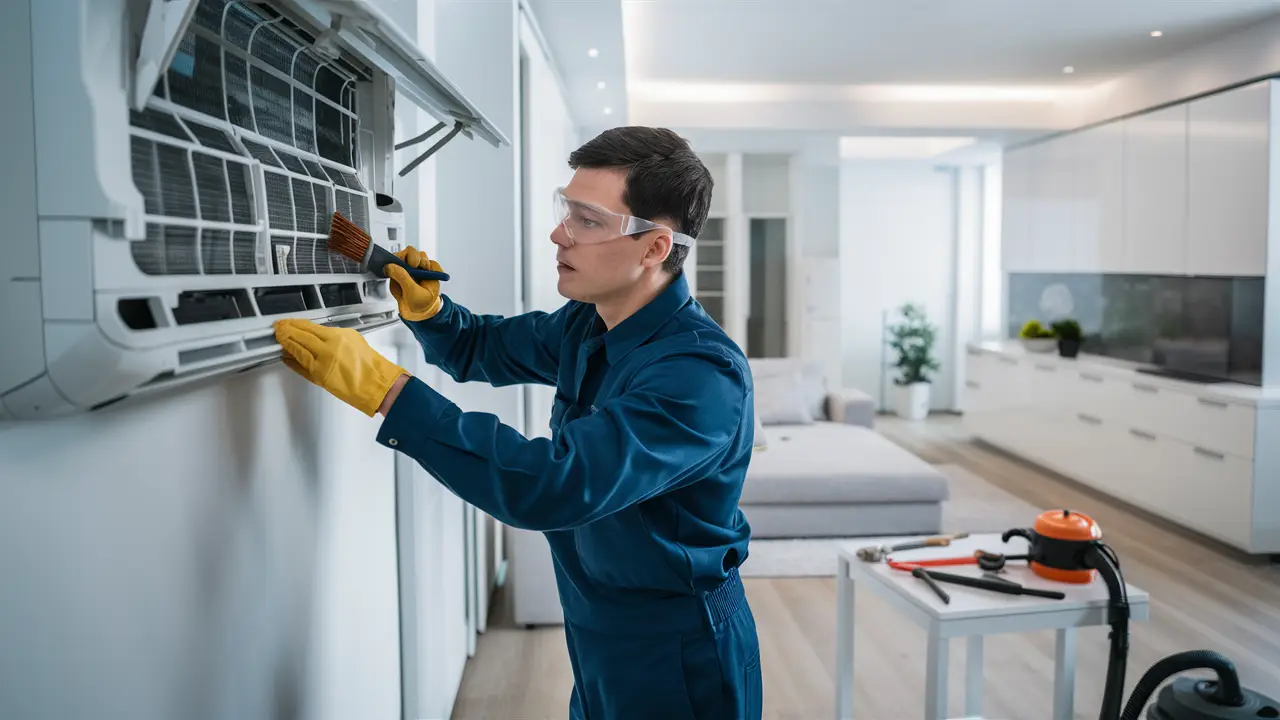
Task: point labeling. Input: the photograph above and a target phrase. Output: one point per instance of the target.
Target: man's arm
(489, 348)
(675, 422)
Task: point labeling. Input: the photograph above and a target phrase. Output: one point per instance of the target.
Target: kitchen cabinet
(1155, 192)
(1052, 205)
(1017, 254)
(1099, 199)
(1228, 168)
(1198, 455)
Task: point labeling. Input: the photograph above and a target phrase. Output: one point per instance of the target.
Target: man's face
(592, 273)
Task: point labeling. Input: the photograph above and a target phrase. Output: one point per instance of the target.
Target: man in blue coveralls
(637, 489)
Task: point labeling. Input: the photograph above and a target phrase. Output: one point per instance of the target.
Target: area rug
(975, 506)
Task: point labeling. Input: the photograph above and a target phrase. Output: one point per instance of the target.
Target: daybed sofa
(824, 471)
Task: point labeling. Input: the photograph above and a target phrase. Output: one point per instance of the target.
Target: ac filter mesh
(243, 64)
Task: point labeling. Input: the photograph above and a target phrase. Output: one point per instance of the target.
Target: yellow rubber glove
(338, 360)
(417, 300)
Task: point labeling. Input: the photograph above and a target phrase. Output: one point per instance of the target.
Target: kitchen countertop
(1125, 370)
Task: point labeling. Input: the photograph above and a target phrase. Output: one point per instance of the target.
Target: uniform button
(393, 442)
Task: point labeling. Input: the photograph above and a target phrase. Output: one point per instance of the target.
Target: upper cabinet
(1184, 190)
(1099, 207)
(1016, 251)
(1053, 227)
(1155, 192)
(1229, 161)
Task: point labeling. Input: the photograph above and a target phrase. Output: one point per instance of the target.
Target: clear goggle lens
(589, 224)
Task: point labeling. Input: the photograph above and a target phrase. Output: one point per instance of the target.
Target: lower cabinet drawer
(1212, 424)
(1211, 492)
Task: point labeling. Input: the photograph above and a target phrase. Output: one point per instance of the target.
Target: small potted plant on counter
(913, 341)
(1069, 337)
(1037, 338)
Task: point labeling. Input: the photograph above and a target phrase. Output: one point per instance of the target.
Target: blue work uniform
(636, 490)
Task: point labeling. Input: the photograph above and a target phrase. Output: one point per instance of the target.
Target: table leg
(844, 641)
(973, 677)
(1064, 675)
(935, 692)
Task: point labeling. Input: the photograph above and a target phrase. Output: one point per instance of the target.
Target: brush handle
(380, 257)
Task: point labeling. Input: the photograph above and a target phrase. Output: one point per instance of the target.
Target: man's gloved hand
(417, 300)
(338, 360)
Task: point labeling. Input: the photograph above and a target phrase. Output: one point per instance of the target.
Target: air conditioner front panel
(171, 235)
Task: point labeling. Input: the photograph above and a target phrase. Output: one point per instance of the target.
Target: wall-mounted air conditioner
(170, 171)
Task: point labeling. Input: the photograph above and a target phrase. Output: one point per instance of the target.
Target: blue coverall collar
(632, 332)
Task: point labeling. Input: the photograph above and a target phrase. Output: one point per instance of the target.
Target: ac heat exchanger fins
(245, 85)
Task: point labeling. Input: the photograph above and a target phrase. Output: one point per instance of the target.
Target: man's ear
(660, 244)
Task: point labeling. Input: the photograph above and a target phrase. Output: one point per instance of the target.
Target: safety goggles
(590, 224)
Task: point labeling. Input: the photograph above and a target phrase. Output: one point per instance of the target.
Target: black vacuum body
(1188, 698)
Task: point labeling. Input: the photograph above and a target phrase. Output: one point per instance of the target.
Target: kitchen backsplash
(1206, 325)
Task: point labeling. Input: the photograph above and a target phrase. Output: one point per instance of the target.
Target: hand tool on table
(1008, 587)
(988, 561)
(933, 584)
(877, 553)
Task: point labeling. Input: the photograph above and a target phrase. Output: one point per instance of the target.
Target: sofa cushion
(813, 379)
(836, 463)
(780, 400)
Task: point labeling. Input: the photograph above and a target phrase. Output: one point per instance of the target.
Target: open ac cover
(186, 164)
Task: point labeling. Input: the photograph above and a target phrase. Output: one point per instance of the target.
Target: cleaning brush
(346, 238)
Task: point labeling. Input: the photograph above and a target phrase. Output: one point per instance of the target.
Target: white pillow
(780, 399)
(812, 375)
(761, 439)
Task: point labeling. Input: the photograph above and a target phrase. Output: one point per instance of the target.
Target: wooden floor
(1203, 595)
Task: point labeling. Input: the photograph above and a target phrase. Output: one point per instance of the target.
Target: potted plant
(1037, 338)
(1069, 337)
(913, 340)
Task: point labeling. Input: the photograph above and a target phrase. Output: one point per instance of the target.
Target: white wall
(231, 551)
(816, 227)
(224, 552)
(897, 221)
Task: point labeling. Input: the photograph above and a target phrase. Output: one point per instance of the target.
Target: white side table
(972, 613)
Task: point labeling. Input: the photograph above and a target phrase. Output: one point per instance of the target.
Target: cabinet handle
(973, 353)
(1212, 403)
(1008, 361)
(1146, 388)
(1210, 454)
(971, 384)
(1047, 368)
(1141, 434)
(1089, 419)
(1091, 378)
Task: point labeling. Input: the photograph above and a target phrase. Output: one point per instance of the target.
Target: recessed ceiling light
(1156, 33)
(593, 52)
(1068, 69)
(608, 111)
(600, 85)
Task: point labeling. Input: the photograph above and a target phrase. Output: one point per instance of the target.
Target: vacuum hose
(1099, 557)
(1228, 691)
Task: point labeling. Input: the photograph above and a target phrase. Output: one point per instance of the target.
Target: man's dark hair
(666, 179)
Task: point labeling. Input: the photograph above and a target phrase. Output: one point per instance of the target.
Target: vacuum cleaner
(1067, 546)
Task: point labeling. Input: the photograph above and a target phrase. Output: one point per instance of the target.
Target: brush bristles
(346, 238)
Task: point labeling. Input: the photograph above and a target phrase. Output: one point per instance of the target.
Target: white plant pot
(911, 402)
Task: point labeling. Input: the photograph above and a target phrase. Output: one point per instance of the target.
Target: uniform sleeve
(491, 348)
(679, 417)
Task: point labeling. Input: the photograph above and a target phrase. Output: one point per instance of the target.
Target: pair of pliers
(991, 562)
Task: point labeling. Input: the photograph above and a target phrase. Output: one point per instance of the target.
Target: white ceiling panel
(917, 41)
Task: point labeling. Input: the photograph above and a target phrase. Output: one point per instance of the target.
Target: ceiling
(989, 69)
(917, 41)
